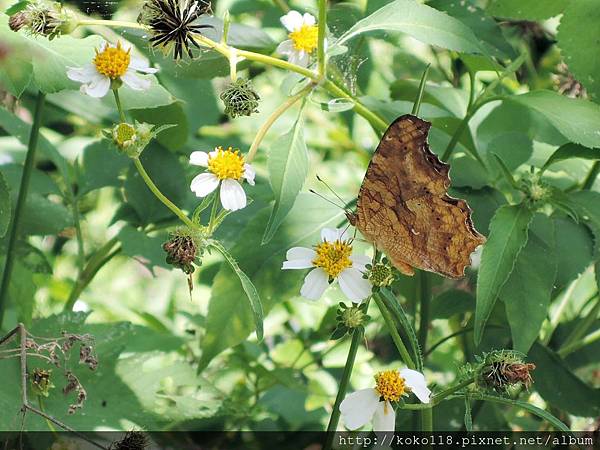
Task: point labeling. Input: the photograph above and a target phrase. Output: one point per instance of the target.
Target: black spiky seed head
(240, 99)
(133, 440)
(172, 24)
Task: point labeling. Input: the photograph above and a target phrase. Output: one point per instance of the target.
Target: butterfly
(404, 209)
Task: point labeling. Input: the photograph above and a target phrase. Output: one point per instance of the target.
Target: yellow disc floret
(333, 257)
(226, 164)
(112, 62)
(390, 385)
(305, 38)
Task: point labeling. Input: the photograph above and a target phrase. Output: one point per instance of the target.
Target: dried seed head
(42, 18)
(40, 382)
(173, 24)
(240, 99)
(18, 21)
(503, 370)
(133, 440)
(183, 250)
(566, 84)
(73, 385)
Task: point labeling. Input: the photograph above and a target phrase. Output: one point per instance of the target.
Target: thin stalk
(576, 345)
(424, 300)
(159, 195)
(357, 336)
(109, 23)
(417, 103)
(213, 214)
(389, 321)
(555, 319)
(584, 325)
(119, 105)
(439, 397)
(321, 56)
(591, 177)
(273, 118)
(77, 220)
(21, 199)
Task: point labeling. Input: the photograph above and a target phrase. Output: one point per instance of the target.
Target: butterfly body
(403, 207)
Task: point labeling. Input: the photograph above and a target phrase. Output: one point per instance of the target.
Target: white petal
(358, 408)
(134, 82)
(141, 65)
(308, 19)
(83, 74)
(384, 418)
(416, 382)
(300, 253)
(233, 196)
(103, 46)
(315, 284)
(329, 234)
(249, 174)
(300, 58)
(286, 47)
(204, 184)
(97, 88)
(353, 285)
(292, 20)
(199, 159)
(360, 261)
(297, 264)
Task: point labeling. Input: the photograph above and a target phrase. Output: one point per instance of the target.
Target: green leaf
(569, 151)
(15, 8)
(172, 114)
(229, 319)
(505, 172)
(544, 415)
(288, 167)
(5, 210)
(577, 48)
(101, 166)
(527, 9)
(575, 246)
(577, 120)
(450, 303)
(528, 290)
(587, 204)
(508, 236)
(484, 27)
(143, 248)
(555, 382)
(420, 21)
(451, 99)
(248, 288)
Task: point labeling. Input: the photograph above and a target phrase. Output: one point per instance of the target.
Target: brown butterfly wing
(404, 209)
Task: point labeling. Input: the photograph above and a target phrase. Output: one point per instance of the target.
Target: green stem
(119, 105)
(273, 118)
(109, 23)
(417, 103)
(159, 195)
(213, 214)
(583, 326)
(321, 57)
(21, 199)
(77, 220)
(357, 336)
(427, 421)
(591, 177)
(439, 397)
(576, 345)
(96, 262)
(424, 300)
(389, 321)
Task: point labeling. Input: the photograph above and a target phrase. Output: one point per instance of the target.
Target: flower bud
(240, 99)
(133, 139)
(380, 274)
(349, 318)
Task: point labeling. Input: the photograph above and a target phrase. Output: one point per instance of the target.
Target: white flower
(111, 63)
(374, 404)
(303, 37)
(332, 260)
(225, 167)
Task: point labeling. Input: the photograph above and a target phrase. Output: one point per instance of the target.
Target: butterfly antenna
(312, 191)
(332, 191)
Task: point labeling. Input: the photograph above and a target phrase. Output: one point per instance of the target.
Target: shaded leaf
(569, 151)
(5, 209)
(528, 290)
(508, 236)
(527, 9)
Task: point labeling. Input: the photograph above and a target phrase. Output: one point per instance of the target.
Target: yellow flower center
(305, 38)
(112, 62)
(333, 257)
(226, 164)
(124, 132)
(390, 385)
